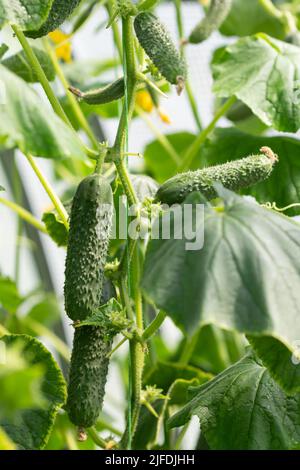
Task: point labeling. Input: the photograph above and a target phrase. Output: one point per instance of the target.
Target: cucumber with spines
(233, 175)
(90, 226)
(59, 13)
(215, 17)
(158, 45)
(112, 92)
(90, 222)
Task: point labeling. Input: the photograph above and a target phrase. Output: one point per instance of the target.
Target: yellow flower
(63, 45)
(164, 116)
(144, 101)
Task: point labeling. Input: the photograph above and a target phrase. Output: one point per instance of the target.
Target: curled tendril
(272, 206)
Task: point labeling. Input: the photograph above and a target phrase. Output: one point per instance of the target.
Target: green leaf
(244, 409)
(19, 65)
(159, 162)
(28, 417)
(283, 186)
(27, 14)
(3, 50)
(264, 73)
(10, 298)
(246, 18)
(55, 226)
(46, 311)
(163, 374)
(31, 125)
(1, 188)
(106, 311)
(235, 281)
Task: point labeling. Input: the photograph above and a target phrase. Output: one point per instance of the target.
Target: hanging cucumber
(215, 17)
(111, 92)
(233, 175)
(157, 43)
(60, 11)
(88, 375)
(90, 225)
(89, 368)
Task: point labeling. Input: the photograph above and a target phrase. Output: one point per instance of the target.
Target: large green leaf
(250, 17)
(34, 391)
(264, 73)
(27, 14)
(244, 278)
(18, 64)
(31, 125)
(244, 409)
(10, 298)
(283, 186)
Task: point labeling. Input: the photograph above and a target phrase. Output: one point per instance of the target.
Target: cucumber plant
(200, 231)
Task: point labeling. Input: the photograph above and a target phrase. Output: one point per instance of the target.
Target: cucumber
(89, 368)
(157, 43)
(59, 12)
(233, 175)
(88, 375)
(90, 225)
(215, 17)
(111, 92)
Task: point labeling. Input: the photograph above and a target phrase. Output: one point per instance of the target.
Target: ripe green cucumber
(215, 17)
(90, 223)
(89, 368)
(59, 12)
(113, 91)
(157, 43)
(233, 175)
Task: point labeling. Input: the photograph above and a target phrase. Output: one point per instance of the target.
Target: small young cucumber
(113, 91)
(157, 43)
(233, 175)
(90, 225)
(216, 15)
(60, 11)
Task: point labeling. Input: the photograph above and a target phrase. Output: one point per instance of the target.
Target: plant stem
(192, 152)
(40, 74)
(189, 349)
(49, 190)
(190, 94)
(130, 67)
(24, 214)
(96, 438)
(109, 427)
(115, 29)
(162, 139)
(81, 119)
(70, 440)
(154, 325)
(180, 437)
